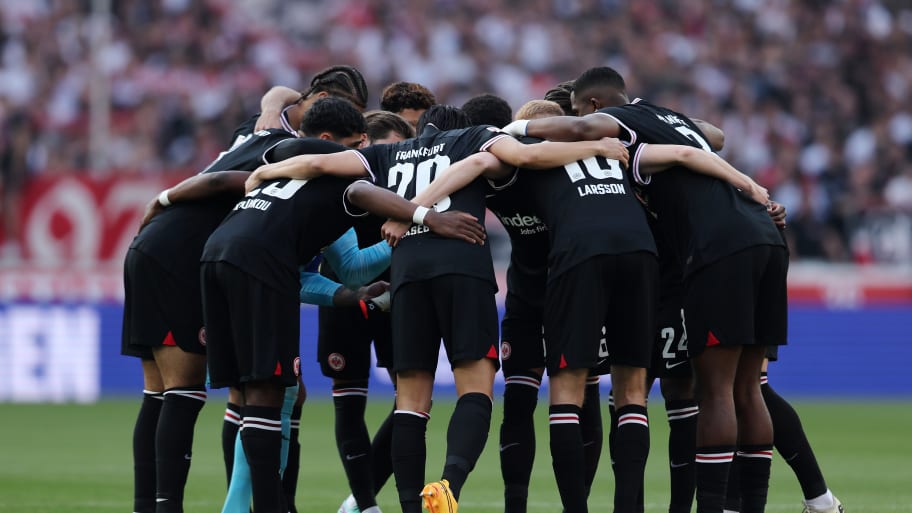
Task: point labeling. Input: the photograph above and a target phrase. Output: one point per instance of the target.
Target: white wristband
(163, 198)
(516, 128)
(418, 215)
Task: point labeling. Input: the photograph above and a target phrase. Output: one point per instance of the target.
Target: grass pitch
(77, 458)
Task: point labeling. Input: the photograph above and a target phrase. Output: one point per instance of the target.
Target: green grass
(77, 458)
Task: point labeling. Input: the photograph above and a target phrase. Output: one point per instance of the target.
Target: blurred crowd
(814, 96)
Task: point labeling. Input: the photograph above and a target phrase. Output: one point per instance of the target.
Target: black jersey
(407, 168)
(175, 237)
(710, 218)
(528, 269)
(590, 209)
(283, 223)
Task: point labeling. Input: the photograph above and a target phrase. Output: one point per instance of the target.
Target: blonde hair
(539, 109)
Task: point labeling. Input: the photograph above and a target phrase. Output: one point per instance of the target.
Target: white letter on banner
(53, 354)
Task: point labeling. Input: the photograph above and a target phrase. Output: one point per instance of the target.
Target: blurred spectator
(815, 97)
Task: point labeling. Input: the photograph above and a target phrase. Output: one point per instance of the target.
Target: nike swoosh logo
(187, 457)
(505, 447)
(673, 365)
(349, 457)
(159, 499)
(679, 465)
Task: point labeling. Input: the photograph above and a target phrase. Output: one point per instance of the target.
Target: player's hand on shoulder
(268, 119)
(758, 193)
(612, 148)
(153, 208)
(392, 231)
(456, 225)
(254, 180)
(777, 213)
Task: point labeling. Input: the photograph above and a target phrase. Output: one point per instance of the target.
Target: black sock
(712, 467)
(792, 444)
(230, 426)
(754, 469)
(733, 488)
(144, 452)
(591, 428)
(631, 450)
(612, 426)
(682, 442)
(293, 464)
(261, 434)
(353, 441)
(466, 438)
(567, 457)
(409, 456)
(517, 439)
(174, 445)
(381, 453)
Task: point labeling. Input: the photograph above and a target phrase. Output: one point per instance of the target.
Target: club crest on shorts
(336, 361)
(201, 336)
(297, 366)
(505, 350)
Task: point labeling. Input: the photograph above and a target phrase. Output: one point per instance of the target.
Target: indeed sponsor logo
(527, 225)
(520, 221)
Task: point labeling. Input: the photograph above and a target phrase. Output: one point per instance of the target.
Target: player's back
(406, 168)
(176, 236)
(283, 223)
(590, 209)
(710, 217)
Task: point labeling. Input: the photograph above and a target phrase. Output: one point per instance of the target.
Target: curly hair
(488, 109)
(340, 81)
(399, 96)
(334, 115)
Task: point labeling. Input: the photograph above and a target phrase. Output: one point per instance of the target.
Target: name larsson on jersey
(528, 225)
(601, 188)
(419, 152)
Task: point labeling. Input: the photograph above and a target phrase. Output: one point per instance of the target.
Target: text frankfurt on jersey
(257, 203)
(419, 152)
(601, 188)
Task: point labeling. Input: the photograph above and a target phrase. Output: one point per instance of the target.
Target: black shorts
(739, 300)
(522, 346)
(252, 330)
(460, 309)
(772, 353)
(601, 309)
(669, 353)
(344, 342)
(159, 309)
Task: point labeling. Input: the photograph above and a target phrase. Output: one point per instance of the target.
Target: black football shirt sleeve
(300, 146)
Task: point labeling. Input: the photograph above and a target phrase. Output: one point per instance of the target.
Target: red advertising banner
(77, 221)
(74, 233)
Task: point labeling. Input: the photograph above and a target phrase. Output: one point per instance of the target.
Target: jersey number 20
(403, 174)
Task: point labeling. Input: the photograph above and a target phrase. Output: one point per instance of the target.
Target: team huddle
(625, 228)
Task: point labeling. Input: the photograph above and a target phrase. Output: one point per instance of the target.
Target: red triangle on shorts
(169, 340)
(492, 353)
(278, 371)
(711, 340)
(563, 363)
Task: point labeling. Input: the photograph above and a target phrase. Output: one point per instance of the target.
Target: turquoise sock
(240, 491)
